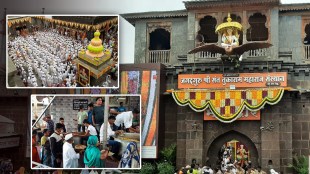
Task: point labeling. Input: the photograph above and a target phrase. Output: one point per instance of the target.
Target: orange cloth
(35, 154)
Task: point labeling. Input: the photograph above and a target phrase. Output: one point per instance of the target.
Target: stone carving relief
(157, 25)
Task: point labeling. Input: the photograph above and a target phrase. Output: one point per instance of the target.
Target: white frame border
(31, 15)
(90, 95)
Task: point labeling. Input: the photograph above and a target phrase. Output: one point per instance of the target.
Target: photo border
(83, 95)
(32, 15)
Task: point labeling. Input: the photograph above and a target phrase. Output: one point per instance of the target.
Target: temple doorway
(230, 147)
(233, 152)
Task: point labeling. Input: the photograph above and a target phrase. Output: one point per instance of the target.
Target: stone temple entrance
(239, 145)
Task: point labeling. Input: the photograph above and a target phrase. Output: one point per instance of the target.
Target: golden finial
(228, 18)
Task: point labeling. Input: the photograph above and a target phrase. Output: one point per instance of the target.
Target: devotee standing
(46, 150)
(56, 146)
(69, 156)
(98, 113)
(81, 116)
(35, 154)
(44, 137)
(121, 108)
(90, 113)
(50, 124)
(62, 121)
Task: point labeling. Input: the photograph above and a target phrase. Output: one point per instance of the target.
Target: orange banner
(246, 115)
(233, 80)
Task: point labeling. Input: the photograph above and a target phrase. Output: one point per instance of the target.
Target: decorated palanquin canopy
(228, 105)
(229, 24)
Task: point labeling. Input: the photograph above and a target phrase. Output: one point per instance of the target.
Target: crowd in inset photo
(45, 57)
(53, 146)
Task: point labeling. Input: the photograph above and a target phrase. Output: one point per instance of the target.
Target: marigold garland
(228, 105)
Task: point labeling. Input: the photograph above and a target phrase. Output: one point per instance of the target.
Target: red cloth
(35, 154)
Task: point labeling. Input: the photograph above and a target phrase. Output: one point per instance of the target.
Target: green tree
(165, 168)
(300, 164)
(169, 154)
(148, 168)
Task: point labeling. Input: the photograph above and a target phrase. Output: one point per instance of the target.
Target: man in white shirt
(70, 157)
(111, 133)
(90, 130)
(126, 119)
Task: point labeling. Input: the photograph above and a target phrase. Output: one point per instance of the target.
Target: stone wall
(301, 124)
(189, 139)
(62, 106)
(170, 121)
(274, 30)
(19, 115)
(290, 37)
(140, 41)
(178, 39)
(277, 142)
(191, 35)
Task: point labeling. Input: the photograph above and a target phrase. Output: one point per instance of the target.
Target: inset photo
(61, 51)
(86, 131)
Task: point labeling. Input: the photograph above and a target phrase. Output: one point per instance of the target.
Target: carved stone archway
(218, 142)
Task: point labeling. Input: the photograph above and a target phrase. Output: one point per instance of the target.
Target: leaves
(300, 164)
(165, 168)
(169, 153)
(148, 168)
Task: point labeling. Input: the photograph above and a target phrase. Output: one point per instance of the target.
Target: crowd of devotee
(227, 164)
(45, 58)
(111, 42)
(57, 148)
(231, 169)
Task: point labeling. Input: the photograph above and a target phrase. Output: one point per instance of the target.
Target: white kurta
(70, 157)
(102, 132)
(124, 117)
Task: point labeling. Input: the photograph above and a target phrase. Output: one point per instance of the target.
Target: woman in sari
(131, 157)
(92, 154)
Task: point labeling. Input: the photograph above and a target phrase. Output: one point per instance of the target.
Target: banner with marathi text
(232, 81)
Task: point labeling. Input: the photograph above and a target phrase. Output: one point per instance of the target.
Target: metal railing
(208, 55)
(307, 52)
(159, 56)
(258, 53)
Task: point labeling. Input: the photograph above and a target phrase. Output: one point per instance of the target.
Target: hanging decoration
(228, 105)
(18, 21)
(76, 25)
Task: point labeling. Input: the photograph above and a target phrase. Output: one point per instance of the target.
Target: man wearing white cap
(70, 157)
